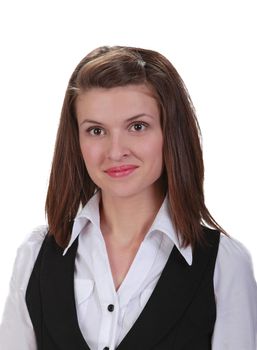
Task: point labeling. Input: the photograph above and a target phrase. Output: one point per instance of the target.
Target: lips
(122, 170)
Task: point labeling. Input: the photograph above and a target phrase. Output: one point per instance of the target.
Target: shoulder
(26, 256)
(16, 330)
(236, 297)
(29, 248)
(233, 265)
(233, 254)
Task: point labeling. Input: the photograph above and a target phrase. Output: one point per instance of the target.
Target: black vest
(179, 315)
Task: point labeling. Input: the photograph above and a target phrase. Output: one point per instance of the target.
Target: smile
(121, 171)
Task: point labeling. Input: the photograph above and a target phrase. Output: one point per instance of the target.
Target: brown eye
(95, 131)
(138, 126)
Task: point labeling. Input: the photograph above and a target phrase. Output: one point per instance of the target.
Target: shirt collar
(162, 223)
(90, 212)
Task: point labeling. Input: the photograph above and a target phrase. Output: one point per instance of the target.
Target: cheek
(152, 152)
(154, 148)
(91, 153)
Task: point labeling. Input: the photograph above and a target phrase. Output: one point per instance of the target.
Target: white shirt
(234, 285)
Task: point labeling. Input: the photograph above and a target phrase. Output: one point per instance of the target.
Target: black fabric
(180, 314)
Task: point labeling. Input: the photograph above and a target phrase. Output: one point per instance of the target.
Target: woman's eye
(95, 131)
(138, 126)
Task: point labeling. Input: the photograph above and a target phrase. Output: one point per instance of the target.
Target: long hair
(70, 186)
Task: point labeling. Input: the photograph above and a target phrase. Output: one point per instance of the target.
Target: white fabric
(234, 285)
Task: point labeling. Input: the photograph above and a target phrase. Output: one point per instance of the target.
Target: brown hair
(70, 185)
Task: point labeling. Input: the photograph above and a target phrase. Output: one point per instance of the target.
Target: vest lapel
(173, 293)
(58, 301)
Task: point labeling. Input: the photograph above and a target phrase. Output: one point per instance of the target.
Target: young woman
(131, 257)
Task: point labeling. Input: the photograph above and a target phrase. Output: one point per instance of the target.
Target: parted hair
(70, 185)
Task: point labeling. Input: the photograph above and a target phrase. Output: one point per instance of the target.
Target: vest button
(110, 307)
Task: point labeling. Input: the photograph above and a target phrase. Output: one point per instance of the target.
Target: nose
(117, 147)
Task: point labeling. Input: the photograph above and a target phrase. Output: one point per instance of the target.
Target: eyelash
(145, 125)
(89, 130)
(92, 128)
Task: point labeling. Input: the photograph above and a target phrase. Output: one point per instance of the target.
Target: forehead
(122, 101)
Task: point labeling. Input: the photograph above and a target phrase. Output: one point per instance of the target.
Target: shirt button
(106, 348)
(110, 307)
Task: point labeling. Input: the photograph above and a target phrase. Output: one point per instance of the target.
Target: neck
(127, 220)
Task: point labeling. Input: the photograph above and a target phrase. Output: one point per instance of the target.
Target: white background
(211, 43)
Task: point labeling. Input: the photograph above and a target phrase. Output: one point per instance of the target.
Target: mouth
(121, 171)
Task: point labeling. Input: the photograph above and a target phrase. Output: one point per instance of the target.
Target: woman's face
(121, 139)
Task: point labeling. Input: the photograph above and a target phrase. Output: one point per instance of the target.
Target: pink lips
(121, 171)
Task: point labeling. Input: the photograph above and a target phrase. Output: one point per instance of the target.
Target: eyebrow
(127, 120)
